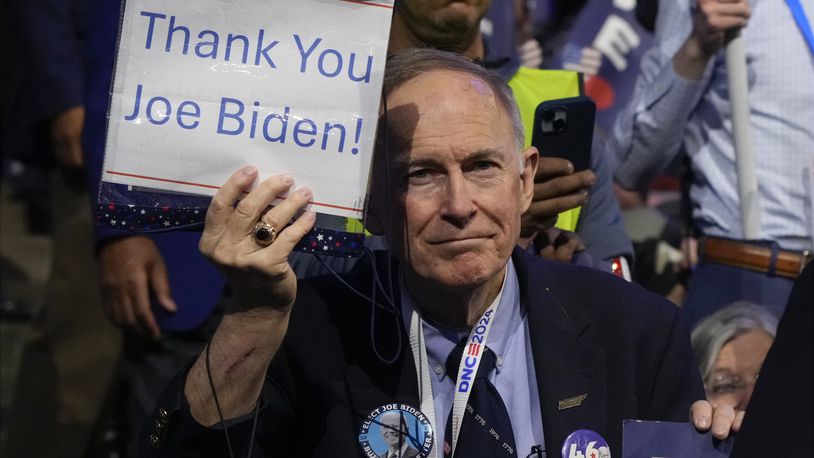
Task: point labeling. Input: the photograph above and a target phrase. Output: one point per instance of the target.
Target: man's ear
(530, 160)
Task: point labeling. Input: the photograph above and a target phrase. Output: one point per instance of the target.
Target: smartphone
(564, 128)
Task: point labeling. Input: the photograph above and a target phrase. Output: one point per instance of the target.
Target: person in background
(69, 357)
(729, 347)
(681, 103)
(156, 287)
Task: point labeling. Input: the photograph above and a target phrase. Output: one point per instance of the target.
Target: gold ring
(263, 233)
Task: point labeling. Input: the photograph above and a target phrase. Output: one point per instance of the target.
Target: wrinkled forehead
(440, 87)
(437, 98)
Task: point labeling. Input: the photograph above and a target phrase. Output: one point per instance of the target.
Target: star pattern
(146, 211)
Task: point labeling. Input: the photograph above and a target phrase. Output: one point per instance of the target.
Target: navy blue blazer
(591, 333)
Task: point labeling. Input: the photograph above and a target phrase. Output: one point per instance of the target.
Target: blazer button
(162, 416)
(155, 441)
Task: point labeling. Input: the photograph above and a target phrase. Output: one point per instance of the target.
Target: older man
(317, 363)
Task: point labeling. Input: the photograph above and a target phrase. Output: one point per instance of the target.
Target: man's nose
(458, 205)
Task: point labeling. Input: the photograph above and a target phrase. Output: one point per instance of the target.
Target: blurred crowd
(659, 206)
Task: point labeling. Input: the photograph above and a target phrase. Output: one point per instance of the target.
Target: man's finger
(567, 243)
(284, 212)
(558, 186)
(548, 167)
(145, 321)
(292, 234)
(220, 208)
(161, 286)
(251, 207)
(550, 208)
(738, 9)
(124, 310)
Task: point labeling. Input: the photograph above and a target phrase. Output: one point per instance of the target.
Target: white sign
(204, 88)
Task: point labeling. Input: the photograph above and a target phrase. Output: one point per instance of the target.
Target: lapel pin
(575, 401)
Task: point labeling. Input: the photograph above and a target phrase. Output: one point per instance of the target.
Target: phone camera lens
(559, 125)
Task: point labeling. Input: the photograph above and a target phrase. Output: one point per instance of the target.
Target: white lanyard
(468, 368)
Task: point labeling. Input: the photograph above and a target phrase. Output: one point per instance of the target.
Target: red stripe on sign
(165, 180)
(209, 186)
(362, 2)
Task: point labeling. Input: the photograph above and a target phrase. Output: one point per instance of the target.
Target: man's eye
(483, 168)
(420, 174)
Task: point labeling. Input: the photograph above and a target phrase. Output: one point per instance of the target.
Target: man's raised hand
(260, 276)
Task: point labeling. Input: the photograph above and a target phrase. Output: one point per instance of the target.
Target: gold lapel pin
(575, 401)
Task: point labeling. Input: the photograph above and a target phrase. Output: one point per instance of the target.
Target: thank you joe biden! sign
(203, 88)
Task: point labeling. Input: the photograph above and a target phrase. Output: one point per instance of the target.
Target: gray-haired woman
(729, 347)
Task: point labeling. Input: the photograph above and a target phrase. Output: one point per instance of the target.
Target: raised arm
(264, 289)
(674, 74)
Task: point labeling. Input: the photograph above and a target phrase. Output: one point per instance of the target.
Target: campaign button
(584, 443)
(396, 430)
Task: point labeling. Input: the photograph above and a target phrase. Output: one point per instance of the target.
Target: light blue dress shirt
(514, 375)
(669, 112)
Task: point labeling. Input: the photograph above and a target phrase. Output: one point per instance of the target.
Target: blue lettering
(298, 130)
(283, 126)
(236, 116)
(463, 386)
(470, 361)
(137, 104)
(253, 128)
(477, 339)
(480, 329)
(321, 63)
(150, 27)
(166, 112)
(230, 39)
(261, 51)
(466, 374)
(171, 31)
(365, 78)
(195, 113)
(212, 44)
(326, 132)
(303, 53)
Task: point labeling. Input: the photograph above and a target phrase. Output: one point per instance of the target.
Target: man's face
(442, 23)
(458, 187)
(390, 428)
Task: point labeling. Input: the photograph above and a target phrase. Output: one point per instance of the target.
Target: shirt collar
(440, 340)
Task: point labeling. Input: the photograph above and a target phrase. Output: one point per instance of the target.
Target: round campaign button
(396, 430)
(584, 443)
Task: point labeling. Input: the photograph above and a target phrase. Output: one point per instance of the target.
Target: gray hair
(410, 63)
(712, 333)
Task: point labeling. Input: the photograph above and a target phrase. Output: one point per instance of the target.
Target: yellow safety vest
(531, 86)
